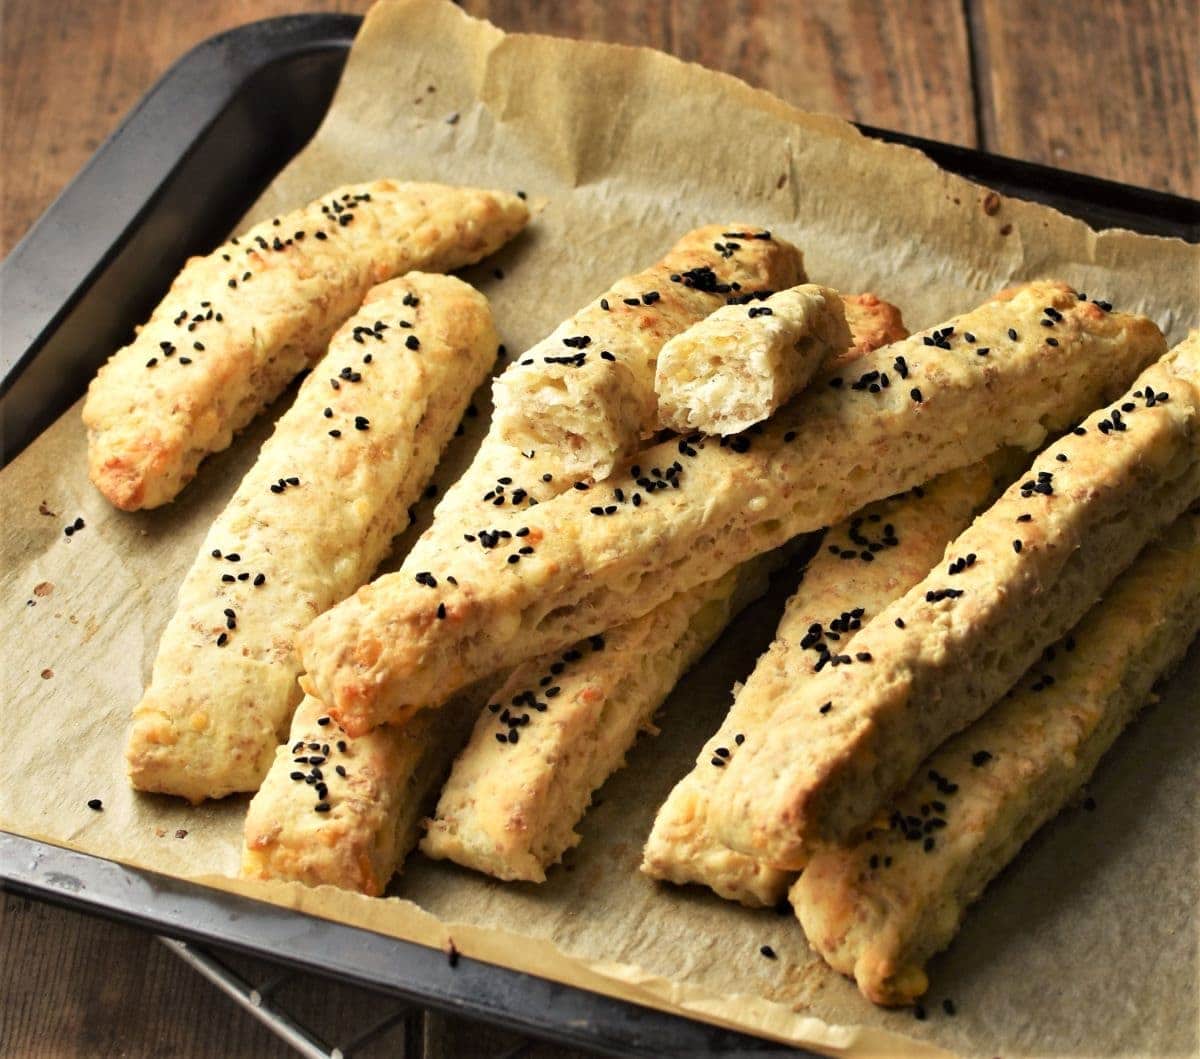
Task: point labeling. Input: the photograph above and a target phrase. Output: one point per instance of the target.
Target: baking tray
(186, 164)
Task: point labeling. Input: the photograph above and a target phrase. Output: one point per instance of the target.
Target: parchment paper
(1086, 945)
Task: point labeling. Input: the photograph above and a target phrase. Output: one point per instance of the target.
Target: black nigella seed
(95, 804)
(767, 951)
(413, 342)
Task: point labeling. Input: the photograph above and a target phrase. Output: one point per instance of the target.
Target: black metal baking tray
(187, 162)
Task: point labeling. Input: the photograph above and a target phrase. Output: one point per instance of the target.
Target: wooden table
(1107, 87)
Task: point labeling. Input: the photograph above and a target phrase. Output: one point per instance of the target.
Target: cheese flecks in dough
(736, 367)
(879, 908)
(863, 564)
(585, 394)
(685, 511)
(307, 525)
(941, 655)
(239, 324)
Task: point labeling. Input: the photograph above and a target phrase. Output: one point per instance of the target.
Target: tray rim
(227, 60)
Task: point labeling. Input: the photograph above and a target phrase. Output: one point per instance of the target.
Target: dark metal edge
(468, 988)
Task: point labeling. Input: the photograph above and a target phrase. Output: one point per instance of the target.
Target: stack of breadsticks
(971, 633)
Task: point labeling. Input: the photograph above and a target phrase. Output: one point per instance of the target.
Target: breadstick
(561, 725)
(511, 804)
(238, 325)
(864, 564)
(736, 367)
(687, 511)
(931, 663)
(345, 812)
(878, 909)
(586, 393)
(308, 524)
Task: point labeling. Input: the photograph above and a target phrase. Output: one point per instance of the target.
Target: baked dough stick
(864, 564)
(381, 655)
(737, 366)
(1027, 570)
(238, 325)
(878, 909)
(309, 522)
(586, 393)
(561, 725)
(374, 808)
(345, 812)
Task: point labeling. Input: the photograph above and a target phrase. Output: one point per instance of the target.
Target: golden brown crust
(878, 909)
(238, 325)
(863, 564)
(585, 395)
(937, 658)
(381, 655)
(313, 516)
(873, 322)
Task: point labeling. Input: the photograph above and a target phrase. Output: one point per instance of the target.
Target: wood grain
(71, 985)
(70, 70)
(901, 64)
(1108, 88)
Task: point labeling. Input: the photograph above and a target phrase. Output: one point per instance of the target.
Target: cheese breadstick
(308, 524)
(879, 908)
(586, 393)
(1028, 569)
(736, 367)
(345, 812)
(238, 325)
(562, 724)
(864, 564)
(690, 509)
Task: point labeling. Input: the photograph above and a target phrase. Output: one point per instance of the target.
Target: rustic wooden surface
(1108, 87)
